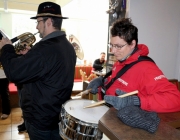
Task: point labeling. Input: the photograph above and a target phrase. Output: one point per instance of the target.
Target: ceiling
(29, 5)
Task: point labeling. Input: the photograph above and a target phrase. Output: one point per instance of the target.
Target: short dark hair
(103, 53)
(125, 30)
(57, 22)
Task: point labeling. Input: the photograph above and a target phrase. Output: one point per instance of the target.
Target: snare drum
(78, 123)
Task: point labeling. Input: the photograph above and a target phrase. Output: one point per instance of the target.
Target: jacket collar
(53, 34)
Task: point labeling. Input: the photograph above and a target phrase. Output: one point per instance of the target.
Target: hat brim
(48, 15)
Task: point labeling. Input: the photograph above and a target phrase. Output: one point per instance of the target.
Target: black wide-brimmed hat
(49, 9)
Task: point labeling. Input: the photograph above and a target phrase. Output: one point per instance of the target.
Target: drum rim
(78, 118)
(80, 121)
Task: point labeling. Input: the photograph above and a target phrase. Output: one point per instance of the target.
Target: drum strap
(121, 72)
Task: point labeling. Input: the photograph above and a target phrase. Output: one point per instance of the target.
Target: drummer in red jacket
(155, 92)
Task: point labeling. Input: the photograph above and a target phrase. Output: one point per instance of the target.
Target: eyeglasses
(117, 46)
(41, 20)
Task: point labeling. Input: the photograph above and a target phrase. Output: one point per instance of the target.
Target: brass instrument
(77, 46)
(27, 37)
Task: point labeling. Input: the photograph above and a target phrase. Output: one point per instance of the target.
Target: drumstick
(84, 92)
(103, 101)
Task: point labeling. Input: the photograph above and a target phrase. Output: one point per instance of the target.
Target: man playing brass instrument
(46, 72)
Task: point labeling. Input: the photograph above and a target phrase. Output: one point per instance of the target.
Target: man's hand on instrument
(120, 103)
(24, 51)
(4, 41)
(94, 84)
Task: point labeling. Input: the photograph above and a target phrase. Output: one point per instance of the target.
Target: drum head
(76, 109)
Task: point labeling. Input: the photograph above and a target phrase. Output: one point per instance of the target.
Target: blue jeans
(36, 134)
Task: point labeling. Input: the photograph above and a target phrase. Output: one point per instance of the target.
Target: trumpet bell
(77, 47)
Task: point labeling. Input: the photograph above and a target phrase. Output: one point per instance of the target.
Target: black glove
(120, 103)
(94, 84)
(136, 117)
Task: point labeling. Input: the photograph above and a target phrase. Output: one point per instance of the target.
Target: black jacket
(47, 75)
(97, 65)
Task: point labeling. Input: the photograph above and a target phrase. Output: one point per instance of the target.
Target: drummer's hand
(120, 103)
(4, 41)
(94, 84)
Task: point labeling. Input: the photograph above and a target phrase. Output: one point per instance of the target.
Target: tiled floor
(8, 127)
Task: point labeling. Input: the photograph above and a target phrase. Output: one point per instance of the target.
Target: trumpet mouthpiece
(36, 33)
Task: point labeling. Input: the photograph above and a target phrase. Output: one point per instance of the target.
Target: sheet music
(3, 34)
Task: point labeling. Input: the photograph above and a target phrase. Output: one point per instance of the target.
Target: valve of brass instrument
(26, 39)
